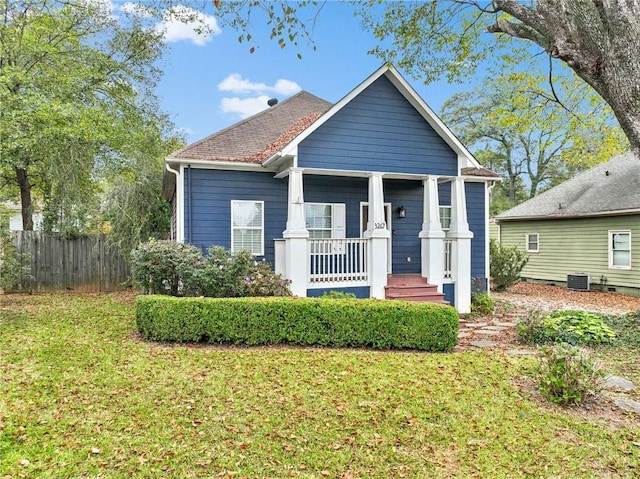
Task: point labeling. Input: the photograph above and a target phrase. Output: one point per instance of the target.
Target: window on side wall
(445, 217)
(247, 226)
(533, 242)
(620, 249)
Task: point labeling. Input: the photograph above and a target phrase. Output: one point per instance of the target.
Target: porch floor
(412, 287)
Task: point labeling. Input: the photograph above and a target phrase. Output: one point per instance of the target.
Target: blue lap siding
(208, 195)
(379, 130)
(477, 220)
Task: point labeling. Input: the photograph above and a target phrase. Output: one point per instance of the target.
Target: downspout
(178, 202)
(190, 206)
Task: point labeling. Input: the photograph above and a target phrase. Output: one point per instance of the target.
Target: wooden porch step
(409, 287)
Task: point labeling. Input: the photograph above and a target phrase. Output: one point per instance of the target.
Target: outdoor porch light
(402, 212)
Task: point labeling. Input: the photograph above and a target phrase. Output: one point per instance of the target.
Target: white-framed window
(445, 217)
(319, 219)
(620, 249)
(325, 220)
(247, 226)
(533, 242)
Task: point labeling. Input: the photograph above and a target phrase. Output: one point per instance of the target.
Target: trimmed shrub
(573, 327)
(482, 304)
(158, 267)
(298, 321)
(567, 375)
(177, 269)
(506, 264)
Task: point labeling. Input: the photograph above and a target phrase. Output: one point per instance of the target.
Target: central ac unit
(578, 282)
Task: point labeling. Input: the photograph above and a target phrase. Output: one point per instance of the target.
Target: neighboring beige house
(13, 212)
(584, 232)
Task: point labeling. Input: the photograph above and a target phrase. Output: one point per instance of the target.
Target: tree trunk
(25, 198)
(598, 39)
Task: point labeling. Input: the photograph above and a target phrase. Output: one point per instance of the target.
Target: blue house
(372, 195)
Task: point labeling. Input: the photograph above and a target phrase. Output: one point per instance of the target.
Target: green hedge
(299, 321)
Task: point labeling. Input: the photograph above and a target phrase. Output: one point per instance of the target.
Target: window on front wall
(620, 249)
(533, 242)
(445, 217)
(247, 226)
(319, 219)
(325, 220)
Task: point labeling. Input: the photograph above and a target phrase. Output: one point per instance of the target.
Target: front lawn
(82, 396)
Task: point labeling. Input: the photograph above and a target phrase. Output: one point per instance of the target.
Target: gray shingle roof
(609, 188)
(256, 138)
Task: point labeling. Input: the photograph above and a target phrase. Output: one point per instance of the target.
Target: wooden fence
(86, 264)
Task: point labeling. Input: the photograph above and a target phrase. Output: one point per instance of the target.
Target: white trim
(610, 244)
(181, 204)
(526, 242)
(487, 236)
(363, 227)
(570, 216)
(218, 165)
(233, 202)
(465, 158)
(179, 200)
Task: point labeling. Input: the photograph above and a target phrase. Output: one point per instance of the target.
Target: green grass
(82, 396)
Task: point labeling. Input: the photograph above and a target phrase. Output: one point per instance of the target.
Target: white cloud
(234, 83)
(244, 107)
(184, 23)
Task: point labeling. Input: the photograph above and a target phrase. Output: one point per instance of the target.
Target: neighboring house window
(620, 249)
(445, 217)
(533, 243)
(247, 226)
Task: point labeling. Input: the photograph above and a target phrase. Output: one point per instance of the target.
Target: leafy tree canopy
(76, 82)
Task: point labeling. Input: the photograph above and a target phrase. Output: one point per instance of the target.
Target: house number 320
(380, 226)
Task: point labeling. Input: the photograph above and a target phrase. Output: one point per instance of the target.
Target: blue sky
(212, 82)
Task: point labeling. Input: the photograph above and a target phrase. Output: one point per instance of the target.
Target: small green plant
(336, 294)
(482, 304)
(573, 327)
(506, 265)
(14, 266)
(567, 376)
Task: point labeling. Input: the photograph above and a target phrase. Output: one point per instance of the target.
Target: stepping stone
(617, 383)
(520, 352)
(477, 325)
(465, 330)
(483, 343)
(487, 332)
(505, 324)
(628, 405)
(464, 335)
(495, 328)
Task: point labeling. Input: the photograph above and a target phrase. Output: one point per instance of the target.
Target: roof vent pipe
(272, 101)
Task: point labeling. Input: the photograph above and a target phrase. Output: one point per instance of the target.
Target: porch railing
(447, 259)
(335, 260)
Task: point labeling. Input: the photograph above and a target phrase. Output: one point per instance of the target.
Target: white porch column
(461, 247)
(432, 236)
(296, 261)
(378, 236)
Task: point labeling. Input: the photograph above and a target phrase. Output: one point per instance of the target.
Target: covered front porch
(364, 262)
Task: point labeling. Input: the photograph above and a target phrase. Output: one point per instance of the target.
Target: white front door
(364, 219)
